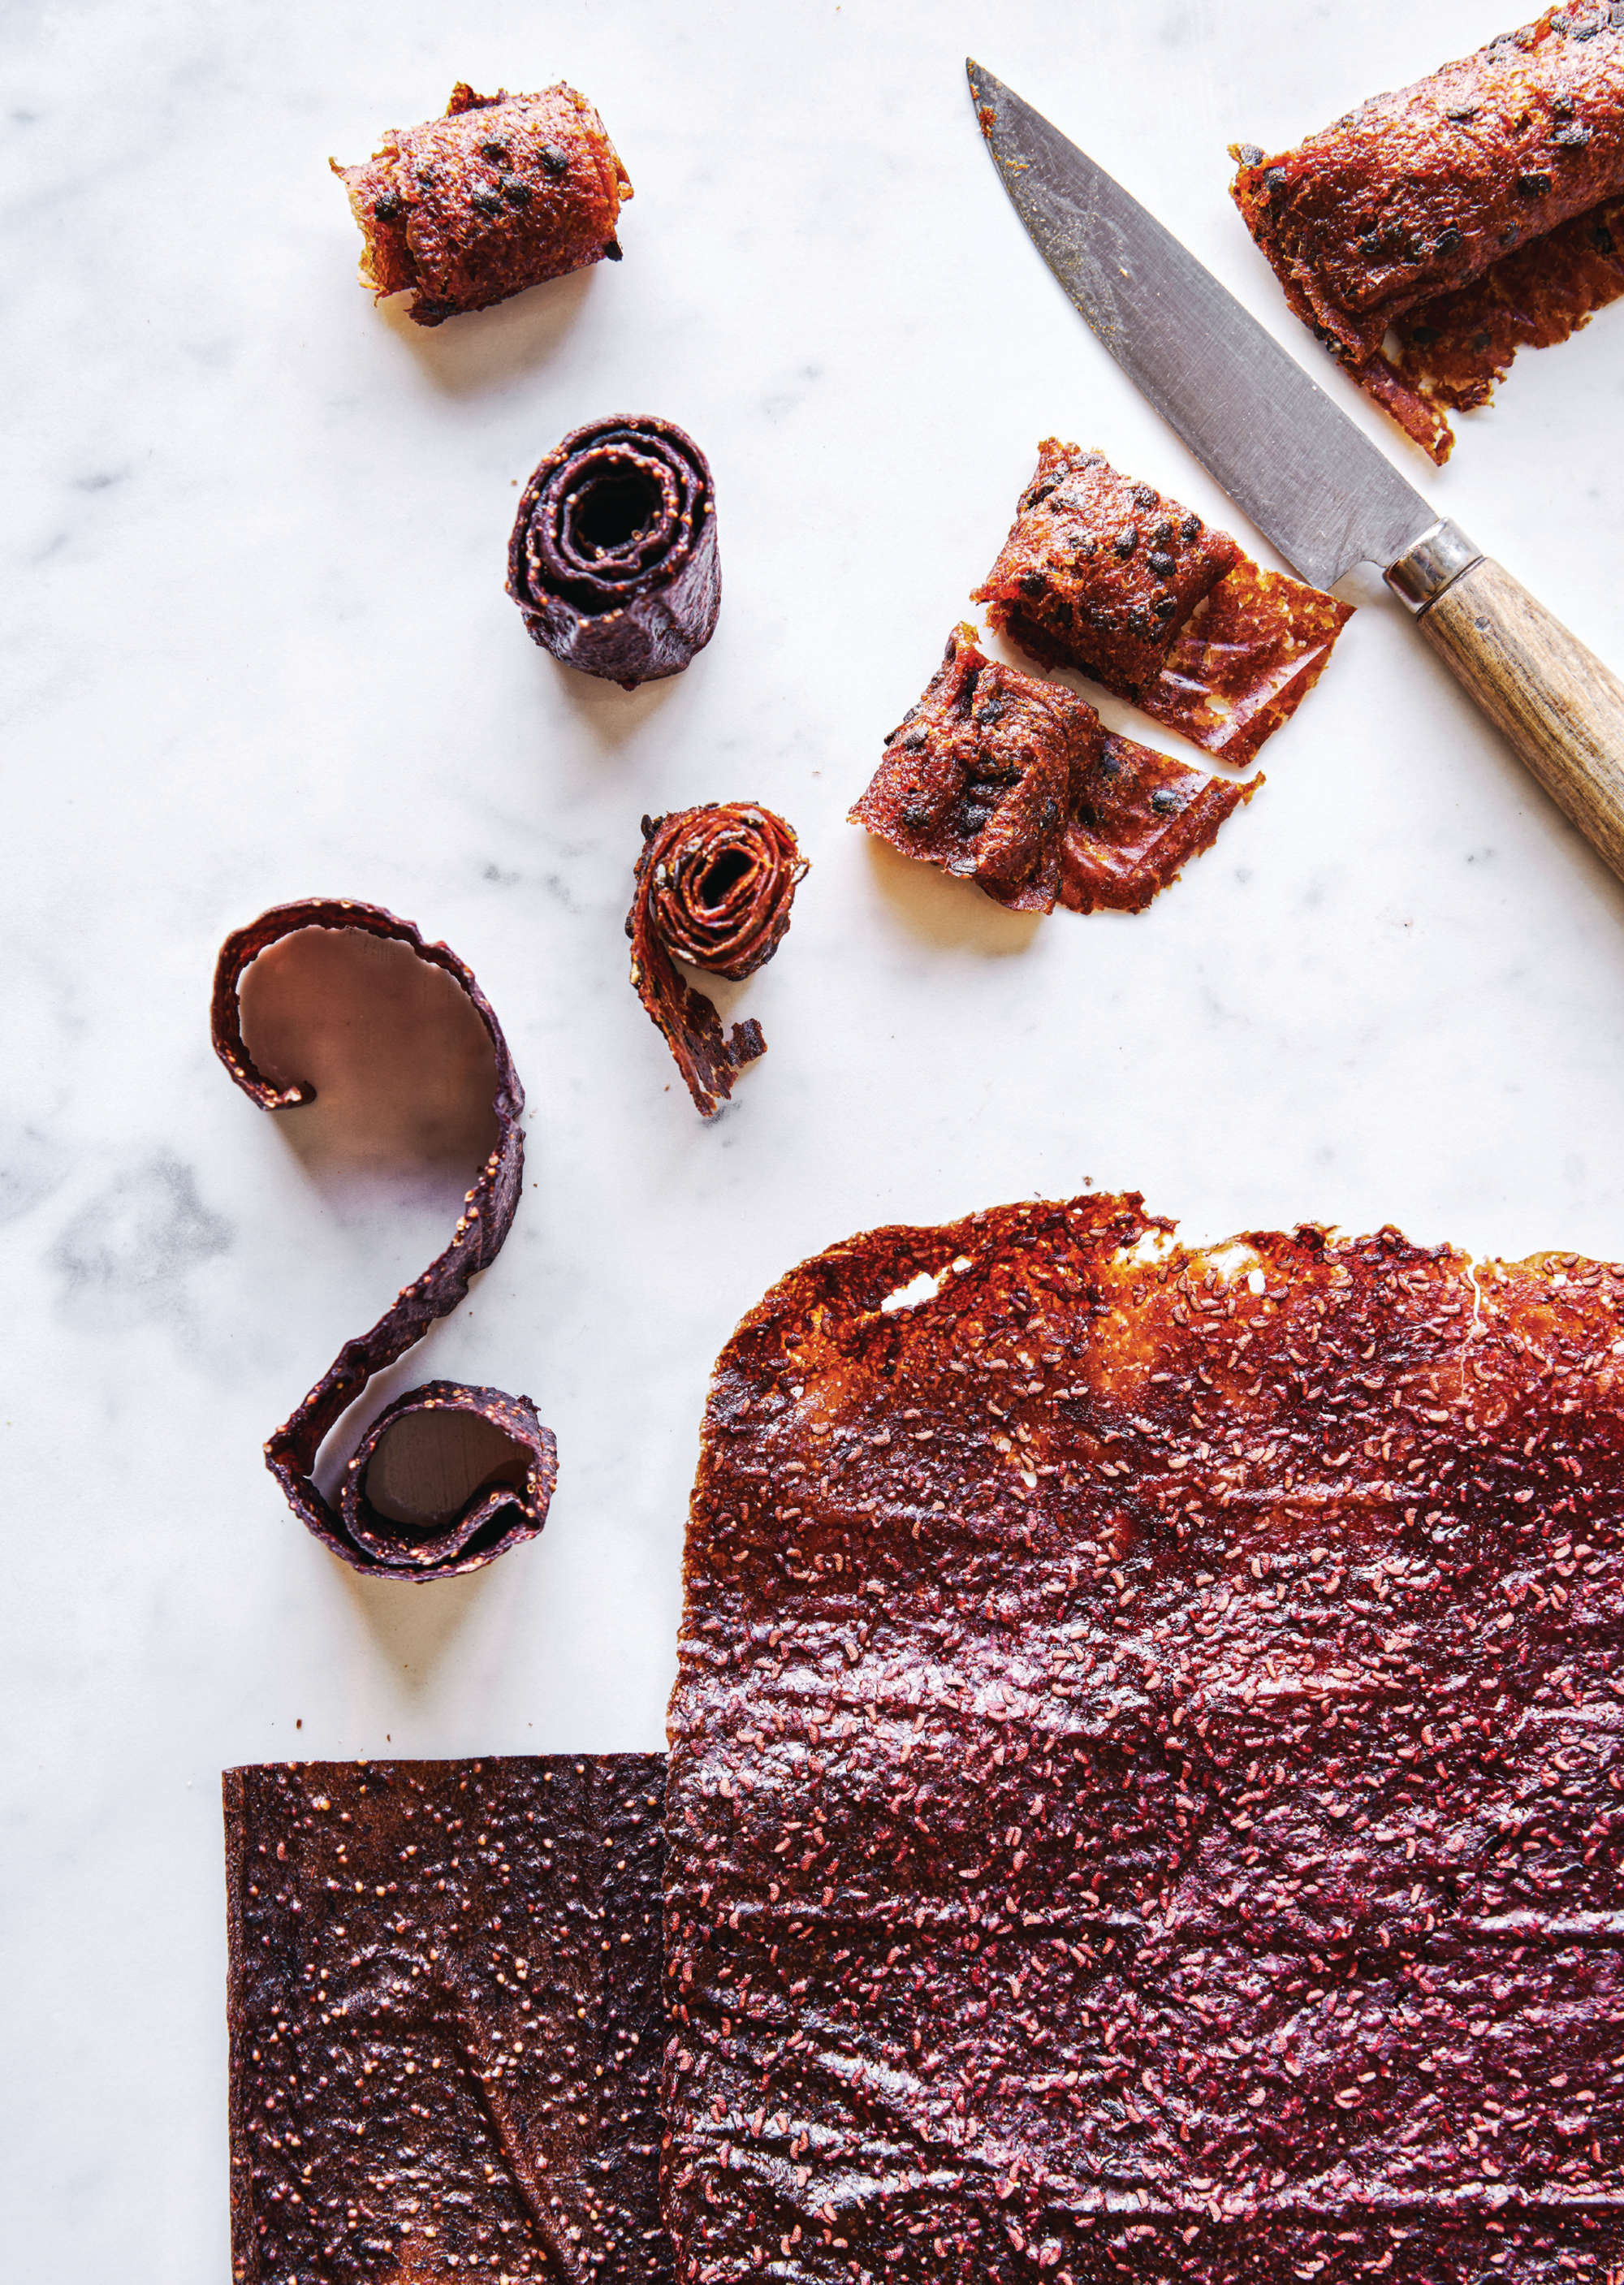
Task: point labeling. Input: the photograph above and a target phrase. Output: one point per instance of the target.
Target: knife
(1306, 476)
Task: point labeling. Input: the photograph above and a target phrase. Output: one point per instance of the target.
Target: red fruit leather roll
(714, 887)
(1455, 348)
(503, 192)
(613, 559)
(1017, 785)
(479, 1432)
(1373, 224)
(1134, 590)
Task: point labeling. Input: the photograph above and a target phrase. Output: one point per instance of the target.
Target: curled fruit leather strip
(1432, 233)
(446, 2020)
(1017, 785)
(714, 885)
(511, 1502)
(1135, 591)
(613, 559)
(503, 192)
(1144, 1761)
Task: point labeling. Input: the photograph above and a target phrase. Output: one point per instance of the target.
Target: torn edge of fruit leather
(1016, 784)
(1432, 232)
(714, 887)
(446, 2020)
(1146, 1764)
(511, 1505)
(1110, 577)
(1454, 349)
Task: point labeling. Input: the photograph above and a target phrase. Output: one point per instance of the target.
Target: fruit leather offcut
(1146, 1764)
(514, 1458)
(446, 2020)
(1016, 784)
(1433, 232)
(1130, 587)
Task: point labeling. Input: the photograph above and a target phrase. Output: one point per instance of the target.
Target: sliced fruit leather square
(612, 559)
(1016, 784)
(1146, 1764)
(1137, 820)
(446, 2020)
(504, 191)
(1432, 232)
(1135, 591)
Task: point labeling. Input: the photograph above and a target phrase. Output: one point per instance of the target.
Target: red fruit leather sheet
(446, 2020)
(1146, 1764)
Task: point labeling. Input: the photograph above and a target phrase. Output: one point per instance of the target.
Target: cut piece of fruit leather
(1417, 194)
(329, 998)
(980, 776)
(504, 191)
(714, 887)
(1015, 784)
(446, 2020)
(613, 557)
(1138, 817)
(1146, 1764)
(1244, 661)
(1135, 591)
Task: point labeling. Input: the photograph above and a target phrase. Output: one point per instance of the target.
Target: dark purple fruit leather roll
(613, 559)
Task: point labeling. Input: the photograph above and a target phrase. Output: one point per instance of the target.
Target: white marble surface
(258, 647)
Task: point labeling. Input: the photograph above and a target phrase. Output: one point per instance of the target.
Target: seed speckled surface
(1016, 784)
(504, 191)
(1146, 1765)
(446, 2020)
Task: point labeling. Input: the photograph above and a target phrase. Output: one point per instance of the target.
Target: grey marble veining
(256, 646)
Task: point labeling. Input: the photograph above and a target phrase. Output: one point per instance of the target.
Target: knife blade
(1306, 476)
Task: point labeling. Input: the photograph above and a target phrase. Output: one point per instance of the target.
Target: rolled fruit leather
(1145, 1764)
(447, 1476)
(613, 559)
(1498, 174)
(504, 192)
(1134, 590)
(714, 887)
(1016, 784)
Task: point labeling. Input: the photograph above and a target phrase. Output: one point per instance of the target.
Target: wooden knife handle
(1562, 709)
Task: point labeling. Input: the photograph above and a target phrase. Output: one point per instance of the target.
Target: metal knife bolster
(1434, 562)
